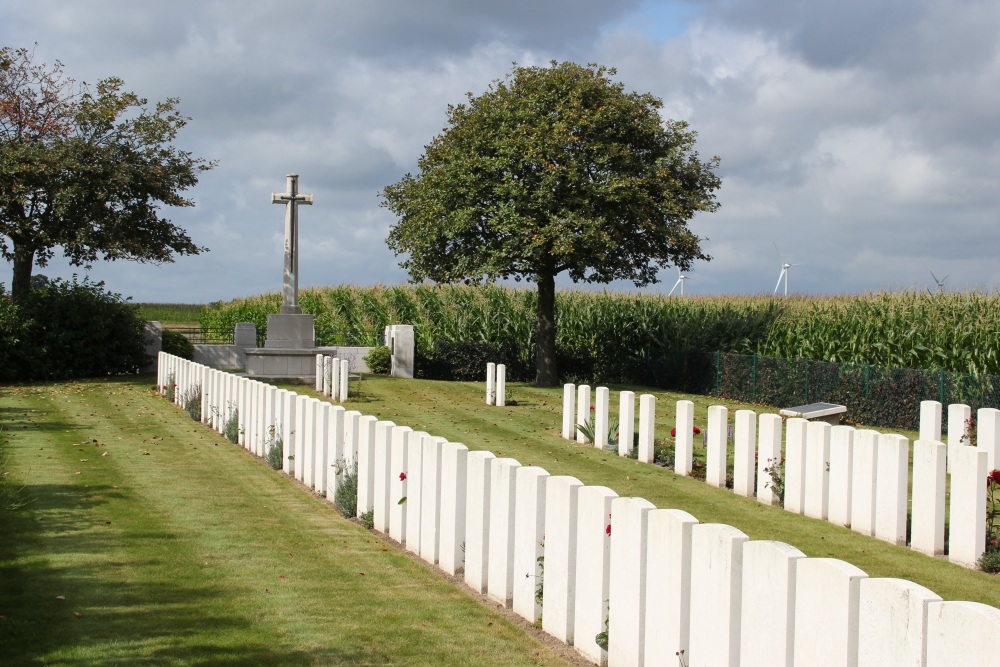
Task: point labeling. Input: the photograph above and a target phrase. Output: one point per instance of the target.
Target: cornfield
(624, 334)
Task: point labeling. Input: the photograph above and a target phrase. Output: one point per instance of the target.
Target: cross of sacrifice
(292, 200)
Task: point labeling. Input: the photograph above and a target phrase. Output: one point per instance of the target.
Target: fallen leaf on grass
(60, 597)
(78, 614)
(104, 454)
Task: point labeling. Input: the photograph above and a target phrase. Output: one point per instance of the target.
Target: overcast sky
(861, 137)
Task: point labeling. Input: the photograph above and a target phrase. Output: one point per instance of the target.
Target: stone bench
(828, 412)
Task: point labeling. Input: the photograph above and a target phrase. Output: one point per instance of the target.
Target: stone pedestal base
(292, 364)
(289, 332)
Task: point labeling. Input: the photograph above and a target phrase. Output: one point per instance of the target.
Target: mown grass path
(131, 535)
(531, 433)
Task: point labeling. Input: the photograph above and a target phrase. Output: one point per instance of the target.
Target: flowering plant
(695, 430)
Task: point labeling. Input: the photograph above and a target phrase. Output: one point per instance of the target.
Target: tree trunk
(546, 373)
(24, 261)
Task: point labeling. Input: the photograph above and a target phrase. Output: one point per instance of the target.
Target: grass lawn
(531, 433)
(171, 314)
(131, 535)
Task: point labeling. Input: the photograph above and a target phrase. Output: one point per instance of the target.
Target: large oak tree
(553, 169)
(86, 170)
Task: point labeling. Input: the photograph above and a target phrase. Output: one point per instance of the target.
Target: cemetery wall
(625, 583)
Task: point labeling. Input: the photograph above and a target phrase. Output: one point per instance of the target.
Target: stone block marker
(892, 623)
(501, 397)
(454, 458)
(891, 487)
(593, 551)
(309, 442)
(399, 481)
(863, 481)
(716, 594)
(767, 632)
(958, 415)
(430, 498)
(414, 501)
(560, 556)
(967, 506)
(321, 462)
(841, 474)
(529, 539)
(769, 453)
(626, 422)
(949, 627)
(601, 410)
(668, 584)
(930, 420)
(288, 403)
(647, 426)
(366, 464)
(717, 445)
(827, 595)
(988, 437)
(582, 411)
(930, 476)
(745, 451)
(500, 578)
(817, 480)
(400, 340)
(335, 379)
(352, 433)
(569, 412)
(491, 383)
(627, 582)
(684, 440)
(795, 464)
(477, 519)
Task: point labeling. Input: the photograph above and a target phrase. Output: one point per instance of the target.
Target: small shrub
(231, 428)
(170, 389)
(346, 497)
(177, 345)
(663, 453)
(777, 478)
(368, 519)
(989, 562)
(379, 360)
(274, 448)
(192, 402)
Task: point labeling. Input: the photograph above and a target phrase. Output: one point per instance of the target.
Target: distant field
(171, 314)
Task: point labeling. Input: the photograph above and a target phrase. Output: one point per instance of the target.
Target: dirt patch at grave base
(564, 651)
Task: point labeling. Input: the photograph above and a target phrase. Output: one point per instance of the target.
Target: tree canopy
(553, 169)
(86, 170)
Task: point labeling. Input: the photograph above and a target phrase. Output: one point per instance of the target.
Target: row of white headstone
(496, 384)
(858, 478)
(657, 580)
(332, 376)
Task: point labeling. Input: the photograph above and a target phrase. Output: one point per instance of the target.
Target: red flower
(673, 432)
(993, 477)
(608, 529)
(697, 431)
(402, 477)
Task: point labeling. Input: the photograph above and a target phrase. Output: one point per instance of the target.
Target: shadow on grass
(126, 610)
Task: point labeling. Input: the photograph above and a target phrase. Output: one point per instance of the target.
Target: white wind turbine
(940, 283)
(680, 281)
(784, 271)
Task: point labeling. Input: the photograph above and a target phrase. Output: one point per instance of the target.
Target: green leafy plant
(990, 560)
(367, 519)
(345, 499)
(602, 637)
(379, 360)
(192, 402)
(776, 478)
(588, 431)
(170, 388)
(273, 447)
(231, 427)
(176, 344)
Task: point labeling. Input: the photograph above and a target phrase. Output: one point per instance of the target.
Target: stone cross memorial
(291, 199)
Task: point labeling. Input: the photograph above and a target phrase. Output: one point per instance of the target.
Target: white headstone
(430, 498)
(583, 416)
(891, 488)
(454, 457)
(745, 452)
(626, 422)
(288, 405)
(335, 457)
(668, 584)
(558, 592)
(767, 631)
(366, 464)
(593, 540)
(950, 625)
(500, 579)
(321, 433)
(327, 376)
(501, 397)
(967, 507)
(399, 482)
(863, 491)
(958, 417)
(477, 519)
(320, 368)
(930, 476)
(569, 412)
(491, 383)
(647, 427)
(988, 437)
(841, 474)
(892, 622)
(717, 445)
(381, 470)
(817, 481)
(529, 539)
(601, 409)
(627, 584)
(827, 593)
(302, 414)
(769, 455)
(414, 501)
(930, 420)
(795, 464)
(716, 594)
(335, 379)
(345, 376)
(684, 439)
